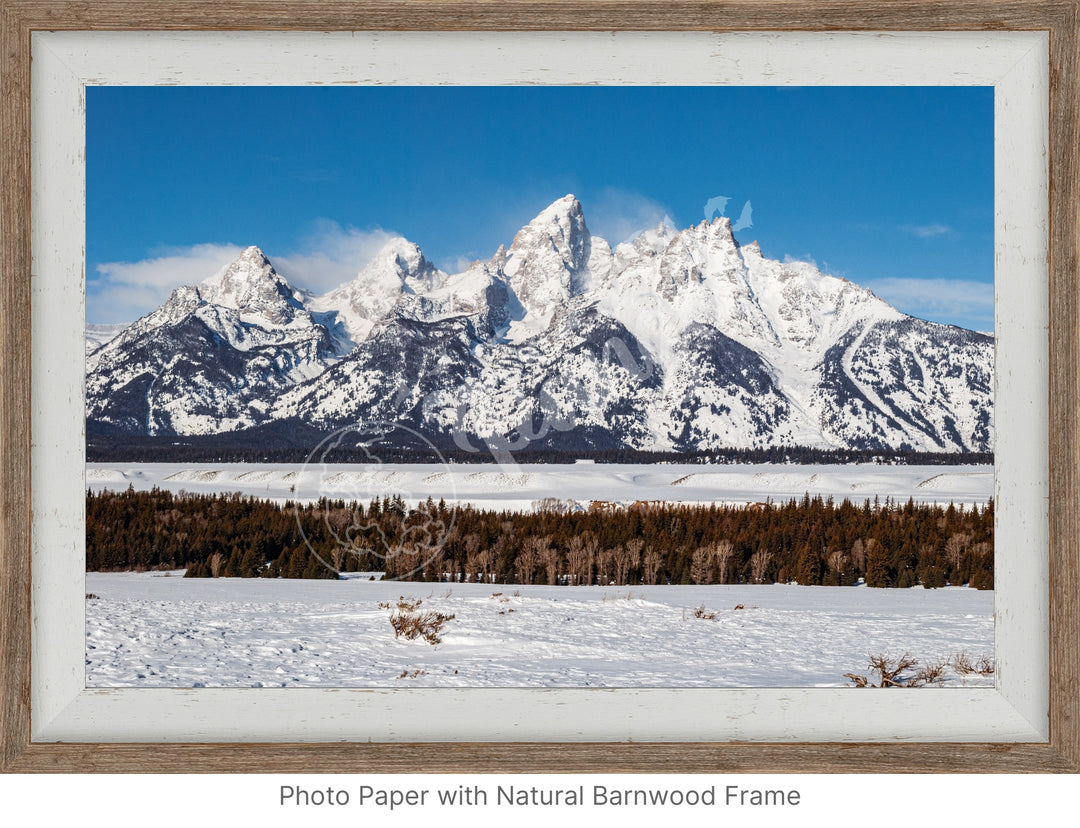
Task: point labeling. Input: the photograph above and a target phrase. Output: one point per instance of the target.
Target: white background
(212, 801)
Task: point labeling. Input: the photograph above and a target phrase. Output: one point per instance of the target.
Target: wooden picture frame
(19, 752)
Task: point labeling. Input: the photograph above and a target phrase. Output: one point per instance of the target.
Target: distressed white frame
(1014, 63)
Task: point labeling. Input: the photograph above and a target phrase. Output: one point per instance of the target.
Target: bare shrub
(889, 670)
(410, 623)
(929, 674)
(704, 614)
(962, 664)
(630, 596)
(426, 625)
(402, 604)
(406, 673)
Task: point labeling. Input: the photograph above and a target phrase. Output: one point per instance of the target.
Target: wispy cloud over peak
(330, 255)
(618, 215)
(124, 291)
(326, 257)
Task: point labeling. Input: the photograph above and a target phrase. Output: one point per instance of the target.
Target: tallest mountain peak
(563, 220)
(549, 260)
(568, 204)
(564, 213)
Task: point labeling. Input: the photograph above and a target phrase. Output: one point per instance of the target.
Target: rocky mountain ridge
(680, 340)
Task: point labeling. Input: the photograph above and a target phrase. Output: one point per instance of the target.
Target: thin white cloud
(807, 259)
(124, 291)
(927, 231)
(966, 303)
(457, 264)
(327, 257)
(619, 215)
(330, 255)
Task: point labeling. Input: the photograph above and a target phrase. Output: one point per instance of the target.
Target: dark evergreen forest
(232, 448)
(808, 541)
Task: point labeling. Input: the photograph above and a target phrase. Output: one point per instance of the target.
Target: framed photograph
(432, 387)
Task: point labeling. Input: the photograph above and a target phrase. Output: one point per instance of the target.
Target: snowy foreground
(520, 487)
(149, 630)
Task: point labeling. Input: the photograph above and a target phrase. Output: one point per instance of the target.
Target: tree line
(807, 541)
(217, 449)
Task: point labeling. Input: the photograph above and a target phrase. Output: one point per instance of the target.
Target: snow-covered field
(520, 487)
(148, 630)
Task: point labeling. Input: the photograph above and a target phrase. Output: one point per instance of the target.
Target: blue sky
(891, 188)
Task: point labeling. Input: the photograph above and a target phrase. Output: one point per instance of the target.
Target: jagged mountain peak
(254, 254)
(398, 269)
(250, 266)
(567, 207)
(549, 260)
(716, 233)
(251, 287)
(398, 265)
(403, 258)
(558, 234)
(646, 244)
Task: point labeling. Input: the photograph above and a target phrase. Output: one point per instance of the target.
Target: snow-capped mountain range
(678, 340)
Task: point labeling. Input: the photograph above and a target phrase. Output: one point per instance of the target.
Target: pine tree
(877, 567)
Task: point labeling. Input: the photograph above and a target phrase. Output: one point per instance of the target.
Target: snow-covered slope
(678, 340)
(210, 358)
(398, 270)
(98, 335)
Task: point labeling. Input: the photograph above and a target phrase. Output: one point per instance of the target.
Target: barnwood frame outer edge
(1061, 18)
